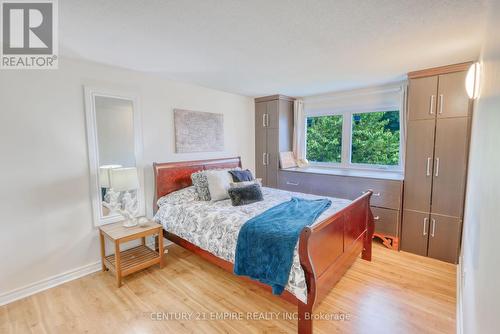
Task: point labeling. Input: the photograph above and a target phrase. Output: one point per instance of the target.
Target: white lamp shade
(104, 175)
(123, 179)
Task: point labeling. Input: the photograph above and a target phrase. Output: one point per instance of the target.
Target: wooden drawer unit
(386, 221)
(386, 193)
(293, 181)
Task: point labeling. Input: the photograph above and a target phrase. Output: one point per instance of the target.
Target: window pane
(375, 138)
(324, 138)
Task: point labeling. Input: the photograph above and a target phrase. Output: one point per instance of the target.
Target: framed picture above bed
(197, 131)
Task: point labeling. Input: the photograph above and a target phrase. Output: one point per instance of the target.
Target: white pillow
(219, 182)
(181, 196)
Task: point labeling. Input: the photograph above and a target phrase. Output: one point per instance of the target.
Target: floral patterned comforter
(214, 226)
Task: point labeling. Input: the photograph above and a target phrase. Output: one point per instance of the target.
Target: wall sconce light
(472, 80)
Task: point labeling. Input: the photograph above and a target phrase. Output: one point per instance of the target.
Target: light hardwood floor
(395, 293)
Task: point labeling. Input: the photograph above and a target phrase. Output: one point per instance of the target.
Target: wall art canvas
(197, 131)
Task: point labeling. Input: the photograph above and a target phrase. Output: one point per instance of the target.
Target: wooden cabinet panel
(285, 125)
(260, 154)
(273, 114)
(272, 159)
(444, 238)
(419, 162)
(414, 232)
(422, 98)
(453, 100)
(260, 115)
(448, 189)
(386, 221)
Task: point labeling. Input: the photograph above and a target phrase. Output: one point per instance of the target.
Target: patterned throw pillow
(178, 197)
(200, 184)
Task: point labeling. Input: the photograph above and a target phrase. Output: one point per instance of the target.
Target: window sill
(373, 174)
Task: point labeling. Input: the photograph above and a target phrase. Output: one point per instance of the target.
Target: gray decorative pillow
(245, 195)
(200, 184)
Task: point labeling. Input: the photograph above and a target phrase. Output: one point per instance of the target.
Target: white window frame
(346, 156)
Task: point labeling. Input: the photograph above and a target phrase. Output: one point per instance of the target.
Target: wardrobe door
(450, 166)
(261, 154)
(419, 160)
(414, 232)
(260, 115)
(422, 98)
(272, 158)
(453, 100)
(272, 120)
(444, 238)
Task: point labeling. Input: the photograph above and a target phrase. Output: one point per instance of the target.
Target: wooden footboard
(326, 249)
(329, 248)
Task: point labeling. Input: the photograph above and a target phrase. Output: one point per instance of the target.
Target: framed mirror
(115, 155)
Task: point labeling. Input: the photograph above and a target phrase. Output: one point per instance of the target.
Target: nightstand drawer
(386, 221)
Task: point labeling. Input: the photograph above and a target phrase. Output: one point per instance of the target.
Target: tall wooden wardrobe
(438, 131)
(273, 134)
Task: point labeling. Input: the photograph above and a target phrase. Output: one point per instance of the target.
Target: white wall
(46, 223)
(481, 245)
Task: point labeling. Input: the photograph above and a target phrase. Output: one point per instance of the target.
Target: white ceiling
(255, 48)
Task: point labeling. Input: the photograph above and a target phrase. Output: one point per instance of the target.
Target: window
(355, 139)
(375, 138)
(324, 138)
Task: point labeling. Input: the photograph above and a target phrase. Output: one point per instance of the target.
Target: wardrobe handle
(264, 120)
(267, 158)
(437, 167)
(441, 101)
(433, 227)
(428, 166)
(292, 183)
(264, 159)
(431, 106)
(425, 226)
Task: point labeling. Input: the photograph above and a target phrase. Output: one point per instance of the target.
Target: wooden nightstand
(134, 259)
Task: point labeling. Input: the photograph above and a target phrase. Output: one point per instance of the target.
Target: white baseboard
(48, 283)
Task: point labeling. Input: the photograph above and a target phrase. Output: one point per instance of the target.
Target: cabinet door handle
(267, 158)
(264, 159)
(437, 167)
(441, 101)
(433, 227)
(428, 166)
(264, 120)
(373, 193)
(292, 183)
(425, 226)
(431, 106)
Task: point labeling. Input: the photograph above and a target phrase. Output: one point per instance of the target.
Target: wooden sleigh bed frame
(326, 249)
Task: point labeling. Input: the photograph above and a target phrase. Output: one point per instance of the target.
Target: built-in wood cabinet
(437, 143)
(273, 134)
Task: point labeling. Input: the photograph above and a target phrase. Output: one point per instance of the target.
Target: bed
(324, 252)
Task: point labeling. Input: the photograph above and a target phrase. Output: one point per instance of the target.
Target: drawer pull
(373, 194)
(376, 218)
(292, 183)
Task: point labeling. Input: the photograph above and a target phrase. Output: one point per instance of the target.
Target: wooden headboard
(172, 176)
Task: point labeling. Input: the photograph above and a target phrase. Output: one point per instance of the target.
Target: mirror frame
(93, 151)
